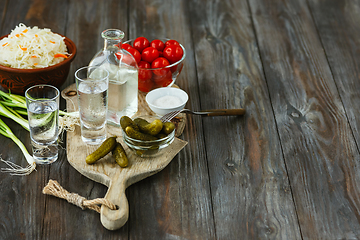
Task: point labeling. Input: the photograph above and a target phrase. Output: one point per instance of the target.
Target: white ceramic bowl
(166, 99)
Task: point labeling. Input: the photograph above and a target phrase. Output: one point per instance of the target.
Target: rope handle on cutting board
(54, 188)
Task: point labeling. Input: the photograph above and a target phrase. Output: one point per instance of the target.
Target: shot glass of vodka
(43, 114)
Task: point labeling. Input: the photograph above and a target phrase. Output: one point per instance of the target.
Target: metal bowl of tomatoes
(160, 61)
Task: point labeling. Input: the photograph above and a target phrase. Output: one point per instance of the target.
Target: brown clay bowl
(18, 80)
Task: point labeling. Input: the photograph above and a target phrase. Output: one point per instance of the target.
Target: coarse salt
(167, 102)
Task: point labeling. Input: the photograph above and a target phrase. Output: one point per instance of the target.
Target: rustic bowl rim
(68, 42)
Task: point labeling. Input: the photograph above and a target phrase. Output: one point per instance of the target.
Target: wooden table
(289, 169)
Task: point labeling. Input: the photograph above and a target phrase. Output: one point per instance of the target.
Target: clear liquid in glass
(44, 121)
(93, 97)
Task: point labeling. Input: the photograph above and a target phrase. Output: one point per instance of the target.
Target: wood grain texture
(180, 194)
(288, 169)
(23, 205)
(337, 23)
(41, 13)
(318, 145)
(338, 28)
(251, 194)
(85, 22)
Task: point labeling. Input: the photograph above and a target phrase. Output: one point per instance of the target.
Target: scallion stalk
(21, 111)
(13, 168)
(9, 113)
(18, 101)
(13, 106)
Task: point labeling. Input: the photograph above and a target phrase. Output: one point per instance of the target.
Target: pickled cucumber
(106, 147)
(126, 121)
(168, 127)
(120, 155)
(131, 132)
(141, 123)
(152, 128)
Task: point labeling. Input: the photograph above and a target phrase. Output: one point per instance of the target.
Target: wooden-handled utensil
(210, 113)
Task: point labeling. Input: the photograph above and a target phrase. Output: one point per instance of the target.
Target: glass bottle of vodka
(123, 76)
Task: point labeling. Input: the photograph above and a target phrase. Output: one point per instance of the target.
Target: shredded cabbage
(30, 48)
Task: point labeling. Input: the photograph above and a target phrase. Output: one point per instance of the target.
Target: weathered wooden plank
(85, 22)
(23, 205)
(35, 13)
(338, 25)
(250, 190)
(320, 153)
(3, 8)
(27, 212)
(175, 203)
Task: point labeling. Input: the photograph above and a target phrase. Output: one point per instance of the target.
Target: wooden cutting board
(107, 171)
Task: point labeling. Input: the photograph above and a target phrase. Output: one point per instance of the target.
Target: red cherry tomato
(149, 54)
(158, 44)
(143, 73)
(141, 43)
(126, 46)
(164, 80)
(173, 53)
(135, 53)
(160, 63)
(145, 85)
(171, 42)
(144, 64)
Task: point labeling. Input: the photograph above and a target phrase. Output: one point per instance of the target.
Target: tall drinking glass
(42, 103)
(92, 85)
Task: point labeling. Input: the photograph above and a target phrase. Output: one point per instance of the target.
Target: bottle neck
(112, 37)
(111, 43)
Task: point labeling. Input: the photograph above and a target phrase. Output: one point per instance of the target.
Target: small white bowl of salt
(166, 99)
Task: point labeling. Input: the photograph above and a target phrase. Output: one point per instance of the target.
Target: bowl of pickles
(147, 136)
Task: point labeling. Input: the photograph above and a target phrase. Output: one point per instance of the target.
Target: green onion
(21, 111)
(10, 113)
(13, 168)
(13, 106)
(13, 98)
(18, 101)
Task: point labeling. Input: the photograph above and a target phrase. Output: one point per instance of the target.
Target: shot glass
(42, 103)
(92, 85)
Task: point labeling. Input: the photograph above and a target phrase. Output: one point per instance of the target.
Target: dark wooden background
(289, 169)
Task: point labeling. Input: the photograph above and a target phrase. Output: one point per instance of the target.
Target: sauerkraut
(30, 48)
